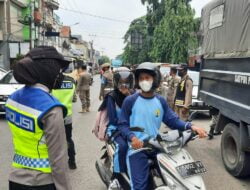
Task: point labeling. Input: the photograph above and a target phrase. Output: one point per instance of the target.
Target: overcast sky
(106, 34)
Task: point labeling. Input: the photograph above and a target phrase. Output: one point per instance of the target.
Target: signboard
(18, 48)
(24, 48)
(14, 49)
(52, 34)
(116, 63)
(216, 17)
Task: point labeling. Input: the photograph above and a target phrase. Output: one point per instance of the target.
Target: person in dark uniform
(172, 86)
(215, 116)
(183, 98)
(106, 81)
(83, 88)
(66, 94)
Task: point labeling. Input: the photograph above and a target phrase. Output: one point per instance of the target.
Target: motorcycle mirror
(159, 138)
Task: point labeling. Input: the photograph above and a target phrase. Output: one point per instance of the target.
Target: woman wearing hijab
(36, 122)
(123, 80)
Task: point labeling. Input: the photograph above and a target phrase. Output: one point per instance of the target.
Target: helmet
(151, 69)
(104, 65)
(123, 76)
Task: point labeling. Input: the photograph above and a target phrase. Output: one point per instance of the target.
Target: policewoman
(37, 125)
(66, 94)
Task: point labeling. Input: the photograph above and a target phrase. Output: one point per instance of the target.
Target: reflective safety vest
(181, 92)
(65, 93)
(24, 110)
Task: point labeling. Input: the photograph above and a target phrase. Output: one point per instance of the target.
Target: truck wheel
(235, 160)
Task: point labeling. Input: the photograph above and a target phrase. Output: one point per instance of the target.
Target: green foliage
(104, 59)
(133, 55)
(169, 31)
(174, 35)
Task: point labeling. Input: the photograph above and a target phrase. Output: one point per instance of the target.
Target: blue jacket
(147, 113)
(114, 112)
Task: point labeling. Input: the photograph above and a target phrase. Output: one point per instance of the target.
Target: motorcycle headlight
(172, 147)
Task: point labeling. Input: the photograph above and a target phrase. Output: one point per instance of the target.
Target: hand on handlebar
(136, 143)
(200, 131)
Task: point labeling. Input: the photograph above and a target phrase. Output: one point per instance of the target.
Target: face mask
(180, 73)
(146, 85)
(58, 81)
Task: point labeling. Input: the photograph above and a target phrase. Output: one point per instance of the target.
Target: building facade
(25, 24)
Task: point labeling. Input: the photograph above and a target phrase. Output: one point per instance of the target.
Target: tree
(174, 35)
(135, 54)
(104, 59)
(155, 13)
(169, 32)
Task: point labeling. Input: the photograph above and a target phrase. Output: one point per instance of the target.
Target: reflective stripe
(31, 162)
(226, 100)
(225, 72)
(23, 107)
(179, 102)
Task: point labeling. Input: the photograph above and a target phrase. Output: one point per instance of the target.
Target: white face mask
(146, 85)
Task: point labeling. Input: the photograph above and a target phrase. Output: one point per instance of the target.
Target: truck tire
(236, 161)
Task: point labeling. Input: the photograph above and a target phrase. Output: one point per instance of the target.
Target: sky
(107, 34)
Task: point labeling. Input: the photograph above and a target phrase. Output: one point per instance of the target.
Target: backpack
(102, 120)
(101, 124)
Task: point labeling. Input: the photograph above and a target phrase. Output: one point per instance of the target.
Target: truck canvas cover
(226, 29)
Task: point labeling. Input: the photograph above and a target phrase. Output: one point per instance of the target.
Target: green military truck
(225, 77)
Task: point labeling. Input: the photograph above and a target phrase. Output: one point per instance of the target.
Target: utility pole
(92, 55)
(31, 23)
(92, 51)
(8, 32)
(44, 9)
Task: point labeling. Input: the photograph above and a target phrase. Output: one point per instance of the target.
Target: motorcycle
(172, 169)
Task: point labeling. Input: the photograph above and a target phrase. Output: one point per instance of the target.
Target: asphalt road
(88, 150)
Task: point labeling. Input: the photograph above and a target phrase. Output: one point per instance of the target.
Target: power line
(96, 16)
(100, 33)
(68, 2)
(101, 36)
(75, 4)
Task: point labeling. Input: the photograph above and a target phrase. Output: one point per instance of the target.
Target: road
(88, 150)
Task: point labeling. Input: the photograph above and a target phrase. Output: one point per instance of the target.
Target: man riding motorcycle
(146, 110)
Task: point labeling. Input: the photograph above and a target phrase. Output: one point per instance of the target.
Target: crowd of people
(40, 118)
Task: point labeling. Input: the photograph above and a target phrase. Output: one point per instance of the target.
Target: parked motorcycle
(172, 169)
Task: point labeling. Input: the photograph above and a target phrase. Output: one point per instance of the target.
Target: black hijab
(41, 65)
(43, 71)
(117, 96)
